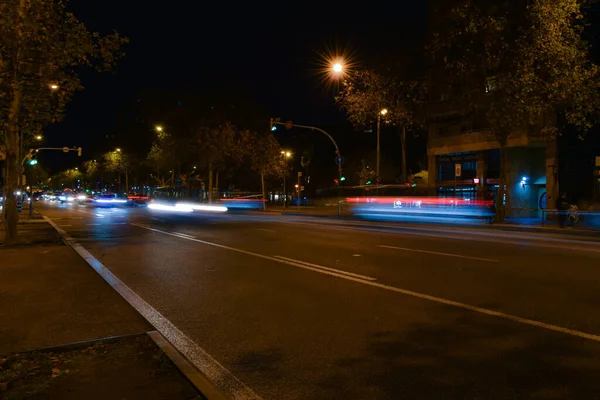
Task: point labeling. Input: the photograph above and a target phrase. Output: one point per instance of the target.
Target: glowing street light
(338, 68)
(38, 137)
(158, 128)
(286, 155)
(54, 86)
(384, 111)
(118, 149)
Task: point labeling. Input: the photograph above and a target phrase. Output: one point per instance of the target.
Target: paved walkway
(51, 297)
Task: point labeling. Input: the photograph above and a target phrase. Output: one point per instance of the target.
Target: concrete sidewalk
(51, 297)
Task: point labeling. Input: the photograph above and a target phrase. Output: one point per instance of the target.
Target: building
(455, 141)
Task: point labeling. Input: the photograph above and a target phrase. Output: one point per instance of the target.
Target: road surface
(279, 307)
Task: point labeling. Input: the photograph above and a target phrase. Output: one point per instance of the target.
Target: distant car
(109, 200)
(68, 197)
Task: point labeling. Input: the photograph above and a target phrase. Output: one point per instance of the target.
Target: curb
(200, 381)
(196, 378)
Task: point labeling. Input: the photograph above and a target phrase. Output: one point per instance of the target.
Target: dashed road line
(437, 253)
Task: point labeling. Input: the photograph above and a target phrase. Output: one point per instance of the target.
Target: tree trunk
(502, 209)
(403, 144)
(11, 216)
(262, 184)
(210, 182)
(217, 184)
(13, 145)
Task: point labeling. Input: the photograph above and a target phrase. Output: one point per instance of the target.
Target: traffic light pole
(29, 155)
(63, 149)
(312, 128)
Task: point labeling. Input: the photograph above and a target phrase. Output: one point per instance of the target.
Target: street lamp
(381, 113)
(285, 155)
(53, 86)
(118, 149)
(38, 137)
(337, 68)
(158, 128)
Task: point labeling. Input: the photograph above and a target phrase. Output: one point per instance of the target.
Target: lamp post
(382, 112)
(285, 155)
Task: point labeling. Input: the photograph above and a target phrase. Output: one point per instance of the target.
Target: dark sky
(273, 50)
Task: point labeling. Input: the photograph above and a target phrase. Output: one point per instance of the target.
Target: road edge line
(219, 376)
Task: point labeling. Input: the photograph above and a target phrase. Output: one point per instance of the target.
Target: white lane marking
(210, 367)
(339, 271)
(437, 253)
(184, 234)
(266, 230)
(452, 303)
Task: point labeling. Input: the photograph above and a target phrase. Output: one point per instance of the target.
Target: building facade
(532, 181)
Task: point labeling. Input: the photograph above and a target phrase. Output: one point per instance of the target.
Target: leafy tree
(42, 47)
(36, 175)
(119, 162)
(366, 93)
(219, 147)
(519, 66)
(265, 158)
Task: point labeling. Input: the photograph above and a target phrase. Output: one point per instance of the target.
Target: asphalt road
(303, 308)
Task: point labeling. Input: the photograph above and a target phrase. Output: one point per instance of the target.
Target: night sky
(271, 51)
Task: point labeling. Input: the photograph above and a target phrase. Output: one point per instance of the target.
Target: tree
(265, 158)
(36, 175)
(518, 66)
(119, 162)
(366, 93)
(42, 47)
(218, 147)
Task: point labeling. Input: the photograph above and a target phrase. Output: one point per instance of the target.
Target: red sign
(476, 181)
(457, 170)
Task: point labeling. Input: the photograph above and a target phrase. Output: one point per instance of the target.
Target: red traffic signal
(336, 181)
(288, 125)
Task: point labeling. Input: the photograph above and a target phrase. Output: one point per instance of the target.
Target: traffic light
(336, 181)
(369, 182)
(343, 178)
(33, 161)
(79, 150)
(272, 126)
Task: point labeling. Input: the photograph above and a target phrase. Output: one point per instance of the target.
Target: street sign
(302, 188)
(339, 160)
(178, 182)
(378, 180)
(457, 170)
(65, 149)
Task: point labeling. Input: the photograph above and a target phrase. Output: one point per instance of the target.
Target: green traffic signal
(33, 161)
(368, 182)
(343, 178)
